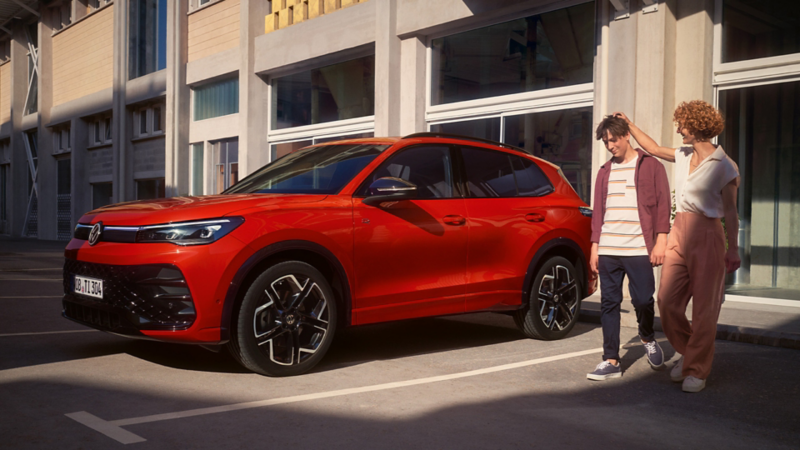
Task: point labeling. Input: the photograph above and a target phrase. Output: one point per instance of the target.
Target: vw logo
(94, 235)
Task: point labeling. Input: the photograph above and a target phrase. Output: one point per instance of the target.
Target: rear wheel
(286, 321)
(554, 303)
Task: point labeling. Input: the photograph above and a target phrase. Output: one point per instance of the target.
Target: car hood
(181, 209)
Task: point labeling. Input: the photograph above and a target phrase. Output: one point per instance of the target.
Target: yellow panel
(315, 8)
(301, 11)
(5, 92)
(214, 29)
(80, 69)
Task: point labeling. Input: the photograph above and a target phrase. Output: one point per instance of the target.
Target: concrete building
(106, 101)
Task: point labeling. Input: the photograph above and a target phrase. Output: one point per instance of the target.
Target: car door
(410, 256)
(507, 211)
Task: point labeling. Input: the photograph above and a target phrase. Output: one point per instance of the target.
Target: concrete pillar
(81, 201)
(387, 69)
(122, 172)
(48, 167)
(253, 91)
(412, 85)
(18, 201)
(176, 146)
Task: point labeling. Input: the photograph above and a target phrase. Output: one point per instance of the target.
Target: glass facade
(543, 51)
(762, 134)
(284, 148)
(197, 169)
(760, 30)
(150, 189)
(340, 91)
(216, 99)
(148, 37)
(101, 194)
(563, 137)
(226, 154)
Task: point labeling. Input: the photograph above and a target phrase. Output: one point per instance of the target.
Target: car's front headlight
(196, 232)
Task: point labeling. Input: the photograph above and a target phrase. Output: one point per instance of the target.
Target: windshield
(324, 169)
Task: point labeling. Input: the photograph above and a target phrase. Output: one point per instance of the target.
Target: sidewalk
(742, 319)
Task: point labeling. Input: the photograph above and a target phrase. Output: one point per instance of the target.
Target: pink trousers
(694, 268)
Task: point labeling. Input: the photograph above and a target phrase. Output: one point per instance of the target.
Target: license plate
(88, 286)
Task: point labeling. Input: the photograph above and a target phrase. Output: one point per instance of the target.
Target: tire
(286, 321)
(554, 303)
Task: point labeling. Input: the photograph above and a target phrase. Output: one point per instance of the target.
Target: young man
(629, 237)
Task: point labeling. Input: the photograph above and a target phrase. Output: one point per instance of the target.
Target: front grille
(140, 297)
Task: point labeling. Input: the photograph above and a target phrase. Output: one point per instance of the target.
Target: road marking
(29, 270)
(762, 301)
(112, 431)
(46, 332)
(31, 279)
(113, 428)
(31, 296)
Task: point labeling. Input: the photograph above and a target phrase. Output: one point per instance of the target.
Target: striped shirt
(621, 234)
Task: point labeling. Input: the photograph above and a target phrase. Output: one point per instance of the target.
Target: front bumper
(136, 298)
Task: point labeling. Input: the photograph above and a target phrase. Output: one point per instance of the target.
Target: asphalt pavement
(469, 381)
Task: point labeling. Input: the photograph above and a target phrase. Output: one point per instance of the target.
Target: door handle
(534, 217)
(455, 220)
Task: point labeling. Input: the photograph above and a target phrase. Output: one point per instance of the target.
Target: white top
(701, 191)
(621, 234)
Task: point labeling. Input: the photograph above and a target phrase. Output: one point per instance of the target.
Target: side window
(428, 167)
(489, 173)
(531, 181)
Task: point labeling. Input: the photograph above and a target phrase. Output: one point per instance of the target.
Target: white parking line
(113, 428)
(762, 301)
(30, 296)
(46, 332)
(31, 279)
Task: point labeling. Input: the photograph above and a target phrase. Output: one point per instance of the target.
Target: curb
(725, 332)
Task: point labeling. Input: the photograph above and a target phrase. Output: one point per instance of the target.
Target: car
(340, 234)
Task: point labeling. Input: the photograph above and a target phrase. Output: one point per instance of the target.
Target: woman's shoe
(693, 384)
(677, 371)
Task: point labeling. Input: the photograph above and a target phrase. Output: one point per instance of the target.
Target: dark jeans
(641, 284)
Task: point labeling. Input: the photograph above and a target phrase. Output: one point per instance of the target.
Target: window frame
(99, 126)
(146, 114)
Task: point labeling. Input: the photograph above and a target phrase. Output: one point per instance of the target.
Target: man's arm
(661, 223)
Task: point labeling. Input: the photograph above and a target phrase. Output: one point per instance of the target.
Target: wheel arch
(560, 246)
(296, 250)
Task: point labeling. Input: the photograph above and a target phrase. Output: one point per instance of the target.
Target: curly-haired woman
(705, 181)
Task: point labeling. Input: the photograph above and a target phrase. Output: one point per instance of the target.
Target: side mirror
(390, 189)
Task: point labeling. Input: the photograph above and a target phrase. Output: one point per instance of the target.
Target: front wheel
(286, 320)
(554, 303)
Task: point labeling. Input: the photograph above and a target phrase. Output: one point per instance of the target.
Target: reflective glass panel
(480, 128)
(760, 29)
(562, 137)
(537, 52)
(763, 137)
(341, 91)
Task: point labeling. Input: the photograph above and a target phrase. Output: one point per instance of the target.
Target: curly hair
(700, 118)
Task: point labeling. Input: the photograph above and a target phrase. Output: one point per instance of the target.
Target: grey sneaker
(604, 371)
(655, 356)
(677, 372)
(693, 384)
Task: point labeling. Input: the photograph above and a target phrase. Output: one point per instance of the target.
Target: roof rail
(466, 138)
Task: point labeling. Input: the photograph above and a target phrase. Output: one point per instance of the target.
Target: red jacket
(652, 196)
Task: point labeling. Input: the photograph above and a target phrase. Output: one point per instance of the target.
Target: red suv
(339, 234)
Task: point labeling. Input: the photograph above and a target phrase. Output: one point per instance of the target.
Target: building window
(148, 121)
(337, 92)
(148, 37)
(751, 31)
(61, 140)
(197, 169)
(5, 51)
(216, 99)
(150, 189)
(100, 130)
(767, 151)
(101, 194)
(280, 149)
(226, 154)
(61, 15)
(543, 51)
(64, 198)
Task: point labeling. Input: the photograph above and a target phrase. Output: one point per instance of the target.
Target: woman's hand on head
(622, 116)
